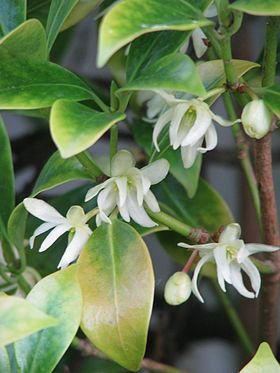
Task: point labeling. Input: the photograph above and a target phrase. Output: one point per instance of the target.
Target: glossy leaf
(271, 97)
(38, 9)
(258, 7)
(12, 14)
(151, 47)
(212, 73)
(80, 11)
(263, 361)
(19, 318)
(7, 187)
(59, 295)
(173, 72)
(58, 13)
(5, 365)
(117, 282)
(130, 19)
(27, 42)
(75, 127)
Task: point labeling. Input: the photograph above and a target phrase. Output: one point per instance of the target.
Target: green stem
(235, 321)
(99, 102)
(270, 52)
(23, 284)
(114, 135)
(86, 160)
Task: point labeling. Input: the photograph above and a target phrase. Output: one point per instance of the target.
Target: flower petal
(43, 211)
(223, 122)
(199, 47)
(155, 106)
(252, 272)
(231, 233)
(156, 171)
(254, 248)
(92, 192)
(122, 188)
(211, 11)
(237, 280)
(53, 236)
(198, 267)
(189, 154)
(203, 248)
(176, 121)
(121, 163)
(162, 121)
(41, 229)
(106, 200)
(124, 213)
(223, 270)
(76, 216)
(211, 140)
(151, 201)
(74, 248)
(202, 123)
(137, 213)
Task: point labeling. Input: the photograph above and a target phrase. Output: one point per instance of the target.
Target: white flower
(128, 188)
(75, 222)
(198, 35)
(231, 256)
(256, 119)
(191, 122)
(178, 288)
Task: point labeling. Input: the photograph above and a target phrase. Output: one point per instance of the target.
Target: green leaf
(12, 14)
(129, 19)
(271, 97)
(258, 7)
(19, 318)
(56, 171)
(5, 365)
(173, 72)
(117, 282)
(58, 13)
(206, 210)
(263, 361)
(212, 73)
(80, 11)
(75, 127)
(38, 9)
(7, 187)
(27, 42)
(58, 294)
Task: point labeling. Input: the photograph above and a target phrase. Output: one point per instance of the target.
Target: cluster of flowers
(127, 189)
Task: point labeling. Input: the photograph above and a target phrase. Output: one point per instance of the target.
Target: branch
(87, 349)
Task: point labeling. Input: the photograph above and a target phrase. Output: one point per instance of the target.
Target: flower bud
(178, 288)
(256, 119)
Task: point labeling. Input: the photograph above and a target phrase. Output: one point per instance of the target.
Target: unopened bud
(256, 119)
(178, 288)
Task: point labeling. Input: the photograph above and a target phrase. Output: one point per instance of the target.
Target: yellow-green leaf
(258, 7)
(117, 282)
(263, 362)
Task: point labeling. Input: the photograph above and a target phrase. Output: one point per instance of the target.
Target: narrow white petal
(122, 188)
(122, 162)
(124, 213)
(43, 210)
(198, 267)
(106, 200)
(92, 192)
(223, 270)
(137, 213)
(230, 233)
(204, 248)
(146, 184)
(211, 140)
(254, 248)
(170, 99)
(152, 202)
(202, 123)
(251, 270)
(237, 280)
(156, 171)
(74, 248)
(189, 154)
(162, 121)
(102, 218)
(211, 11)
(199, 47)
(223, 122)
(53, 236)
(41, 229)
(155, 106)
(178, 114)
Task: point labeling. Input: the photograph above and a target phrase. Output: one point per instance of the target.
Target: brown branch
(87, 349)
(271, 283)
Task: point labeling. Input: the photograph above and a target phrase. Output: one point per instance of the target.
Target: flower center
(189, 117)
(231, 253)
